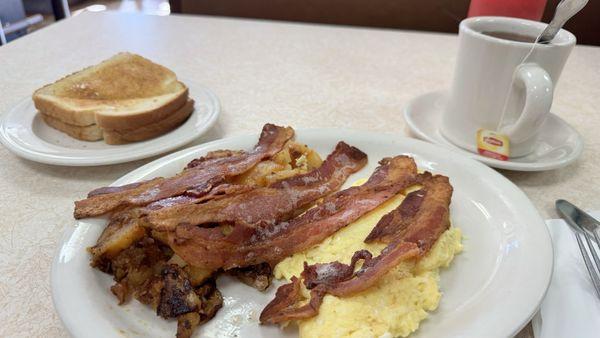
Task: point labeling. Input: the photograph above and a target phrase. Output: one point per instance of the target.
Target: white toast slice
(126, 91)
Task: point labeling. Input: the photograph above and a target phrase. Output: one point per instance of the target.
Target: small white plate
(24, 133)
(492, 288)
(559, 144)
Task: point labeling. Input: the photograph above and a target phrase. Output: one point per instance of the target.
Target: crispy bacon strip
(213, 155)
(221, 191)
(199, 177)
(397, 220)
(208, 247)
(330, 274)
(333, 278)
(412, 228)
(269, 204)
(423, 226)
(283, 307)
(372, 269)
(126, 227)
(110, 190)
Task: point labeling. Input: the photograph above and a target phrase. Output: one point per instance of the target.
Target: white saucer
(559, 144)
(24, 133)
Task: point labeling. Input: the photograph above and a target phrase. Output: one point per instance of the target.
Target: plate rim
(408, 110)
(202, 148)
(76, 161)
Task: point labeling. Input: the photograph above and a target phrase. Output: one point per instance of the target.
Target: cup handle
(538, 100)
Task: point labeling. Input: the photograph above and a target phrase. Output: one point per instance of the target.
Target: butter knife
(579, 220)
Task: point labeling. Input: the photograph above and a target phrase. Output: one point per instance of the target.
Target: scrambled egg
(392, 308)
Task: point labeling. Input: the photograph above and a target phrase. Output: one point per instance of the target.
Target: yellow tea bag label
(493, 144)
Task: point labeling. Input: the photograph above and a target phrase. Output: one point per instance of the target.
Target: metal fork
(585, 252)
(576, 218)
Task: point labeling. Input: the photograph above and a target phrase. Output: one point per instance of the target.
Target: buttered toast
(119, 95)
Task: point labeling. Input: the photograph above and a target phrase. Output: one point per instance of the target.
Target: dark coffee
(511, 36)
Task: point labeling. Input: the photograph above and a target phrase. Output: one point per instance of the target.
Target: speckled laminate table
(297, 74)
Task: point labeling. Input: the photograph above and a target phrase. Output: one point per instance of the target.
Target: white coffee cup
(484, 72)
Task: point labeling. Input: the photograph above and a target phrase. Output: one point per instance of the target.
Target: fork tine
(588, 262)
(597, 237)
(589, 240)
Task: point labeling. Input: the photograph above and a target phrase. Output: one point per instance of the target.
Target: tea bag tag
(493, 144)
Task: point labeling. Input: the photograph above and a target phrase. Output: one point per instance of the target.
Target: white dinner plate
(23, 132)
(492, 288)
(558, 144)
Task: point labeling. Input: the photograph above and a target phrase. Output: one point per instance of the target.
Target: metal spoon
(564, 11)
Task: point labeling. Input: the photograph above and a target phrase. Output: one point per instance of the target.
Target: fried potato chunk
(294, 159)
